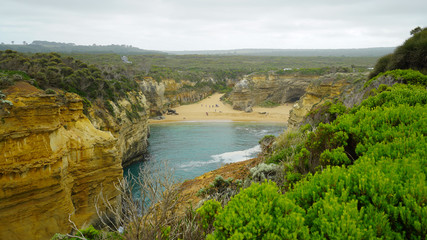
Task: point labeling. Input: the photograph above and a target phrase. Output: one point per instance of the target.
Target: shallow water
(194, 148)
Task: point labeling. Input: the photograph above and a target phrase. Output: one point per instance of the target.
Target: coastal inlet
(194, 148)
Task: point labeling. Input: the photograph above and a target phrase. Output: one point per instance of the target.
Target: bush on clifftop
(410, 55)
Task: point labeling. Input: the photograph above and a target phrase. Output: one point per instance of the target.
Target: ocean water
(194, 148)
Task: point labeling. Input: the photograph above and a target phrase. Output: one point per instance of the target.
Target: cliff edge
(53, 163)
(256, 89)
(340, 86)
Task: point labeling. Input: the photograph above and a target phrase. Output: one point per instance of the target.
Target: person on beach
(207, 114)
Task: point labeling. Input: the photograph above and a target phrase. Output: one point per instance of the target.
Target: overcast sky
(213, 24)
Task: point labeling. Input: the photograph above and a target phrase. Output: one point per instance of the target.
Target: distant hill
(353, 52)
(45, 46)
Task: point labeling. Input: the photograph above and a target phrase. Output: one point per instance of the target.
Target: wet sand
(212, 109)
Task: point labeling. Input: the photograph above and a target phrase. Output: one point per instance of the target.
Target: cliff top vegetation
(410, 55)
(47, 47)
(197, 67)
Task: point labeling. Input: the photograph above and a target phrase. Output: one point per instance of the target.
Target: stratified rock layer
(255, 89)
(327, 88)
(53, 163)
(170, 93)
(128, 122)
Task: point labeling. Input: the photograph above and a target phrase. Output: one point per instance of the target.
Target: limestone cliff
(127, 120)
(53, 162)
(257, 88)
(170, 93)
(327, 88)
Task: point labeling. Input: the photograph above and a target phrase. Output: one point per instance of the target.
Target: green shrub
(52, 71)
(280, 155)
(267, 138)
(269, 104)
(337, 109)
(404, 76)
(410, 55)
(207, 213)
(324, 113)
(263, 172)
(286, 146)
(266, 144)
(386, 196)
(393, 96)
(221, 189)
(109, 107)
(383, 194)
(260, 212)
(383, 118)
(89, 233)
(49, 91)
(2, 101)
(334, 157)
(306, 128)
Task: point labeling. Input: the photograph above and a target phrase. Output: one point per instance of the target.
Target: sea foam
(227, 157)
(237, 156)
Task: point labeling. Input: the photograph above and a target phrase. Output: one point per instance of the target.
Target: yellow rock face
(53, 162)
(170, 93)
(255, 89)
(327, 88)
(131, 133)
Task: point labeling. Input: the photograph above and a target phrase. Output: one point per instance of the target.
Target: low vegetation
(50, 70)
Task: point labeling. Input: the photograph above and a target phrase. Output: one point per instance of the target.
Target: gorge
(59, 149)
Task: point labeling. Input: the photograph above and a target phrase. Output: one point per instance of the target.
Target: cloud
(213, 24)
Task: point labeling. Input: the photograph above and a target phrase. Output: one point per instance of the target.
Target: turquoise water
(194, 148)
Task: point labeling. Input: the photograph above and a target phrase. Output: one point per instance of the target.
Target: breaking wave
(227, 157)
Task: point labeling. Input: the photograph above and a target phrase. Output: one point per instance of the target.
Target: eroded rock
(53, 162)
(254, 89)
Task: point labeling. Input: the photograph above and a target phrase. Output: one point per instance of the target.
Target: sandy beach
(212, 109)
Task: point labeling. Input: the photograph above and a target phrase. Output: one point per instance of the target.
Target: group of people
(216, 105)
(210, 106)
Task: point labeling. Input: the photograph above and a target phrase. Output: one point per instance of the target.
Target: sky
(213, 24)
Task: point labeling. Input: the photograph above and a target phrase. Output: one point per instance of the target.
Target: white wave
(237, 156)
(198, 163)
(227, 157)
